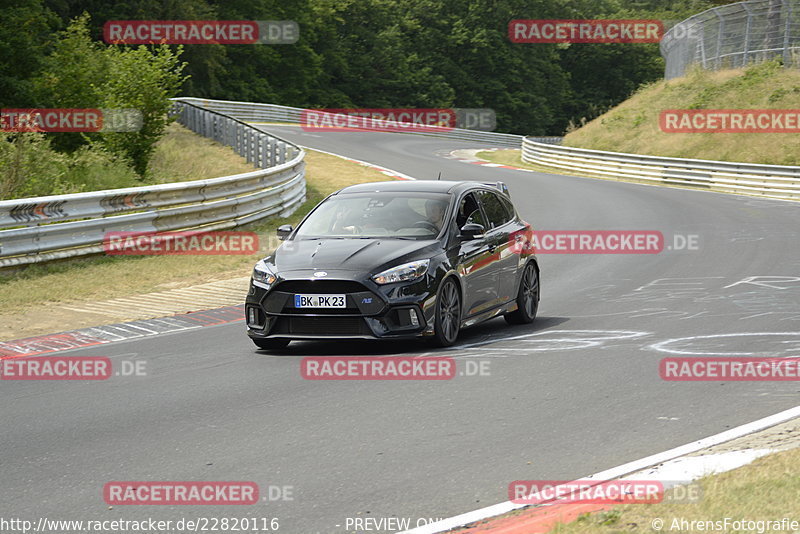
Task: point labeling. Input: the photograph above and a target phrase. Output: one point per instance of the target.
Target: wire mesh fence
(734, 35)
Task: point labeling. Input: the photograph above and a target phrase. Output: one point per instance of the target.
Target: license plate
(320, 301)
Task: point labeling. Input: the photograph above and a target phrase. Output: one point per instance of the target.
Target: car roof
(417, 186)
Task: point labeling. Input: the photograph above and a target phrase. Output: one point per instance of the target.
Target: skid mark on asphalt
(766, 296)
(764, 344)
(546, 341)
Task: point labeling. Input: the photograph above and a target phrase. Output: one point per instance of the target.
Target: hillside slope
(633, 126)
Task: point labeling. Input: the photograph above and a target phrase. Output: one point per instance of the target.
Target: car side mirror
(472, 231)
(284, 231)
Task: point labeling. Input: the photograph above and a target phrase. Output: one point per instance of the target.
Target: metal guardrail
(734, 35)
(40, 229)
(772, 181)
(250, 112)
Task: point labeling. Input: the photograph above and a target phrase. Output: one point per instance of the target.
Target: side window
(496, 211)
(469, 212)
(512, 213)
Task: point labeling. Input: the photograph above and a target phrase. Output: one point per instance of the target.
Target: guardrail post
(280, 155)
(269, 147)
(262, 155)
(245, 144)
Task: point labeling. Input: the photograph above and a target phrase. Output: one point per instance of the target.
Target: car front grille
(321, 326)
(320, 286)
(359, 299)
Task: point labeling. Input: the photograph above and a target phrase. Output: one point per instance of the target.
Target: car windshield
(370, 215)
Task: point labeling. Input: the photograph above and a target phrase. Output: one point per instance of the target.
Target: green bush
(81, 73)
(30, 167)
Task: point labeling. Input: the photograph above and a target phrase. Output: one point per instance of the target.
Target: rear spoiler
(500, 186)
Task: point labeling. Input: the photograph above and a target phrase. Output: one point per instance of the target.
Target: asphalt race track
(573, 394)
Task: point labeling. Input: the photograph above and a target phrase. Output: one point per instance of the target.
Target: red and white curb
(101, 335)
(541, 519)
(468, 156)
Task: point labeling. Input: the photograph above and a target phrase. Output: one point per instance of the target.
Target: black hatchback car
(396, 260)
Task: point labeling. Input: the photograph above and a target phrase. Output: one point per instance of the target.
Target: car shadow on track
(494, 330)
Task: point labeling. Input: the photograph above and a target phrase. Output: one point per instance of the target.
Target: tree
(82, 73)
(25, 32)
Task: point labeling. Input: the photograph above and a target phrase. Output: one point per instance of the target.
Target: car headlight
(262, 276)
(402, 273)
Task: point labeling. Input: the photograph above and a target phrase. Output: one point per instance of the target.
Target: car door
(500, 218)
(476, 260)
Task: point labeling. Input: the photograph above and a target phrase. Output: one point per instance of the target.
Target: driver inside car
(434, 210)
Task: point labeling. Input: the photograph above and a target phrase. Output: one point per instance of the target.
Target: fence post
(703, 45)
(787, 33)
(720, 31)
(747, 33)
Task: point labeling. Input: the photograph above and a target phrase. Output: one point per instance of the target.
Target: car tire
(271, 344)
(447, 321)
(527, 297)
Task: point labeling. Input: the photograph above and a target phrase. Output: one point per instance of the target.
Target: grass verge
(182, 156)
(766, 490)
(30, 298)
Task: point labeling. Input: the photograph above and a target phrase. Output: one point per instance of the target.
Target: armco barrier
(45, 228)
(250, 112)
(773, 181)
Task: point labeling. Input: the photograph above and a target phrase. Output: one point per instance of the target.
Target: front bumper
(402, 310)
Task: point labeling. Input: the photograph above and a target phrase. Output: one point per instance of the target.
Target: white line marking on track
(616, 472)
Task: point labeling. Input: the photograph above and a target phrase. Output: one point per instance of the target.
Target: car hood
(368, 255)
